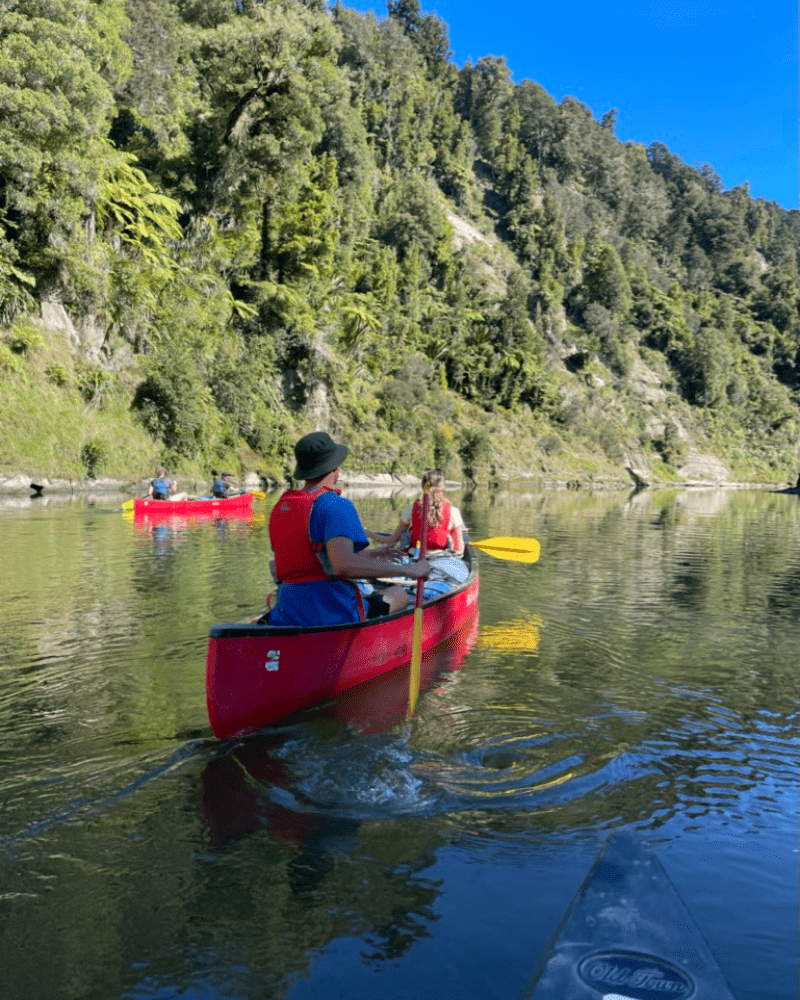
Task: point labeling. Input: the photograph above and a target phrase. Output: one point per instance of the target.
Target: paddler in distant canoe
(221, 486)
(164, 488)
(320, 548)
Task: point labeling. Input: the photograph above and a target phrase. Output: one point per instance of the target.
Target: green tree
(519, 350)
(59, 64)
(475, 450)
(538, 121)
(605, 281)
(157, 102)
(428, 32)
(708, 368)
(175, 404)
(485, 91)
(609, 121)
(16, 284)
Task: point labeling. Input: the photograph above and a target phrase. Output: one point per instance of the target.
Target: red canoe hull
(203, 506)
(257, 675)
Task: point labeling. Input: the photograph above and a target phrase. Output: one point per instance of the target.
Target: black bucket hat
(316, 454)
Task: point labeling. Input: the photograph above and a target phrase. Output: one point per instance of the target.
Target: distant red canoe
(201, 505)
(258, 674)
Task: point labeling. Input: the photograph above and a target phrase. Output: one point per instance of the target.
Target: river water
(643, 675)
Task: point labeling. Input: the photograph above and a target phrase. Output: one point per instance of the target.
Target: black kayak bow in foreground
(627, 935)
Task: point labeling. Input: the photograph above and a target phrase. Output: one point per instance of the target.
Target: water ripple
(91, 786)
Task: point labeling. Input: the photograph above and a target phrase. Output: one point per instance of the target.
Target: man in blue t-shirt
(326, 594)
(221, 487)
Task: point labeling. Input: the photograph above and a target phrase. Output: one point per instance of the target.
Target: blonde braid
(434, 480)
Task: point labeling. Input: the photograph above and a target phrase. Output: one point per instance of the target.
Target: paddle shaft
(416, 641)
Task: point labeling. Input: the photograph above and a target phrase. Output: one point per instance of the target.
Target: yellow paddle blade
(258, 494)
(416, 663)
(507, 547)
(128, 505)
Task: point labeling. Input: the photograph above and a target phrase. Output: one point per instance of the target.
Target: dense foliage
(257, 199)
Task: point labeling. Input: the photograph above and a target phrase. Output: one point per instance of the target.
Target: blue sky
(716, 81)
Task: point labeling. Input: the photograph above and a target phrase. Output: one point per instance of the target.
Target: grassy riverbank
(68, 419)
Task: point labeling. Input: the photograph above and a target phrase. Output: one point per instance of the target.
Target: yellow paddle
(416, 641)
(507, 547)
(503, 547)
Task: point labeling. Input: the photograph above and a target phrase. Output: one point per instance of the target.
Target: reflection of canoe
(257, 674)
(200, 505)
(147, 524)
(627, 936)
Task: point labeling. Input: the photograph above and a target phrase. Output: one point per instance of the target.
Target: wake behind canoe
(627, 935)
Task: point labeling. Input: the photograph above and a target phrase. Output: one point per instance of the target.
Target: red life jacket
(437, 537)
(296, 559)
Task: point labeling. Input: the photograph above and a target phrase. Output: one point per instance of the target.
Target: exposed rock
(56, 317)
(17, 483)
(319, 408)
(92, 339)
(704, 468)
(20, 482)
(464, 233)
(646, 382)
(380, 479)
(639, 482)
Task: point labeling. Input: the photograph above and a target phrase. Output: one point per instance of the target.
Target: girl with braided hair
(445, 527)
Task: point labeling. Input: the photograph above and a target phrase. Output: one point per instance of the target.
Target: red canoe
(258, 674)
(199, 505)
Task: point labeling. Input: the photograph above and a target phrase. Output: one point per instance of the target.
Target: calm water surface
(642, 675)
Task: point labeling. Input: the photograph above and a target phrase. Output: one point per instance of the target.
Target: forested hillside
(226, 222)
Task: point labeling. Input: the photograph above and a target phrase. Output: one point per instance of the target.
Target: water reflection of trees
(650, 685)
